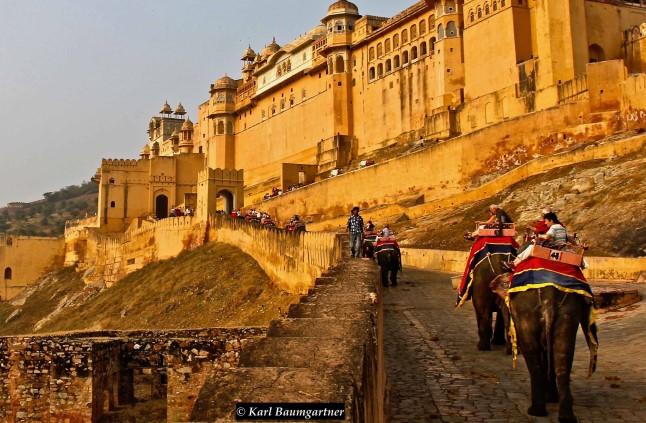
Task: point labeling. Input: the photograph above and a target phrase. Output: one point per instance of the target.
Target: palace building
(355, 85)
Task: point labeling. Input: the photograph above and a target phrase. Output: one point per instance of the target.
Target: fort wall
(599, 268)
(292, 261)
(81, 377)
(445, 169)
(24, 259)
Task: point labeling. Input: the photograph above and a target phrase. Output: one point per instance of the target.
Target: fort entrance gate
(219, 189)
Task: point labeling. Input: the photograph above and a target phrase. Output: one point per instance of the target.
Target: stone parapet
(618, 269)
(81, 376)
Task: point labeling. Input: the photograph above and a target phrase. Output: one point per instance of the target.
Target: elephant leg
(507, 322)
(393, 277)
(499, 337)
(384, 275)
(526, 312)
(483, 315)
(552, 386)
(566, 326)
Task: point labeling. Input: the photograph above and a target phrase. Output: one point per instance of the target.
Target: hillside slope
(214, 285)
(603, 201)
(47, 217)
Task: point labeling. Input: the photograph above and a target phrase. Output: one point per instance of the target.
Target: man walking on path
(355, 228)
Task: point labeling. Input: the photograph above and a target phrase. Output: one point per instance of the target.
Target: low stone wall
(292, 260)
(600, 268)
(80, 377)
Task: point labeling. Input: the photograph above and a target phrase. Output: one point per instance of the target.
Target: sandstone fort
(445, 104)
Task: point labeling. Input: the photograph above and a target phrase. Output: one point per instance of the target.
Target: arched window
(113, 204)
(340, 64)
(413, 53)
(404, 36)
(220, 127)
(371, 72)
(596, 53)
(472, 16)
(9, 242)
(389, 66)
(229, 127)
(450, 6)
(396, 62)
(330, 65)
(371, 53)
(422, 49)
(396, 41)
(451, 30)
(8, 274)
(479, 12)
(431, 22)
(440, 32)
(432, 45)
(487, 10)
(380, 70)
(405, 58)
(422, 27)
(502, 3)
(495, 5)
(413, 32)
(380, 50)
(387, 46)
(111, 181)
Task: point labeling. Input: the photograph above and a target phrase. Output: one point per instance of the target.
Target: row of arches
(489, 7)
(225, 199)
(385, 47)
(398, 61)
(411, 33)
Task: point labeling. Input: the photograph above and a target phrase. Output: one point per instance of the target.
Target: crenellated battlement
(120, 162)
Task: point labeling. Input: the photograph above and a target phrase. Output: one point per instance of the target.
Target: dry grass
(215, 285)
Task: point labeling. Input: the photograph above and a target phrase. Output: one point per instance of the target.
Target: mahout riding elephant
(390, 263)
(546, 321)
(486, 302)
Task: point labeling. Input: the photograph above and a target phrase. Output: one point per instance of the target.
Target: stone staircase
(327, 349)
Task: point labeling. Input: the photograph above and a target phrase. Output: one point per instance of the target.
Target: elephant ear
(589, 326)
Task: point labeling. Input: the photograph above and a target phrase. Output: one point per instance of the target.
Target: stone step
(608, 296)
(345, 311)
(221, 392)
(330, 353)
(317, 328)
(335, 298)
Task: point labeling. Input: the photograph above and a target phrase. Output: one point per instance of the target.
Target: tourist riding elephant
(389, 260)
(486, 302)
(546, 321)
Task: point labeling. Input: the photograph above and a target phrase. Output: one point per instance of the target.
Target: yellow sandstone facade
(498, 82)
(356, 84)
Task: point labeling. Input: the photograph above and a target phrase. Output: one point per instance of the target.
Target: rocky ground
(213, 286)
(602, 201)
(437, 375)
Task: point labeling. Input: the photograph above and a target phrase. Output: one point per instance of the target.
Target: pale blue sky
(79, 79)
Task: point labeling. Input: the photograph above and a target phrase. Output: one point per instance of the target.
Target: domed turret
(225, 83)
(248, 54)
(187, 125)
(166, 109)
(186, 146)
(342, 7)
(180, 110)
(145, 152)
(272, 48)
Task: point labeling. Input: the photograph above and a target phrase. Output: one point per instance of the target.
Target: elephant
(546, 321)
(486, 302)
(389, 260)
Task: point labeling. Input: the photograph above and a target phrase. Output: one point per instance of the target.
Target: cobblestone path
(437, 375)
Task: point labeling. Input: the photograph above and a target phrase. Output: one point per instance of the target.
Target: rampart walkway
(436, 374)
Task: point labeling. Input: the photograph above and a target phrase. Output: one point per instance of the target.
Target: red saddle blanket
(481, 249)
